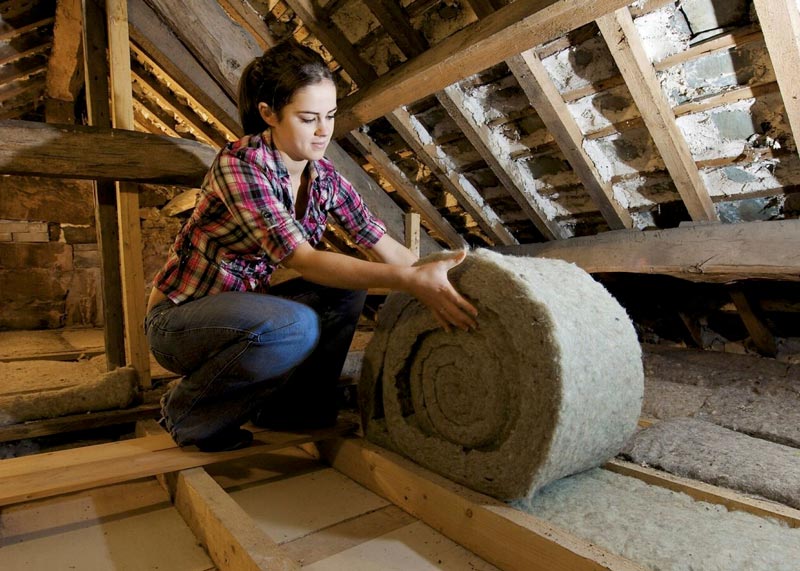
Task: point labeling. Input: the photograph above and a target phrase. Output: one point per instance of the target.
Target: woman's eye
(307, 120)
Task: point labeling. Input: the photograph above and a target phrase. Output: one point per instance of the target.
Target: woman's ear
(267, 115)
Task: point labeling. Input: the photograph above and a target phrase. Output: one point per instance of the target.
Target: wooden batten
(703, 252)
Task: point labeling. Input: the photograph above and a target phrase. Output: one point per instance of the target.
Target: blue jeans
(274, 357)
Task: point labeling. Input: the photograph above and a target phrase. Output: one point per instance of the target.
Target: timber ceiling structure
(500, 123)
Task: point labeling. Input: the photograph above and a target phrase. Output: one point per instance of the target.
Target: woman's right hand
(430, 285)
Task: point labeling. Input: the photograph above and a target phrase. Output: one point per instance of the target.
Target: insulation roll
(550, 383)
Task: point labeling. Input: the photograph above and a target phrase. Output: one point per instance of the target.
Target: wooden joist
(516, 27)
(44, 475)
(702, 252)
(40, 149)
(65, 62)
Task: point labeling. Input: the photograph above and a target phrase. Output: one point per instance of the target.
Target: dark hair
(274, 78)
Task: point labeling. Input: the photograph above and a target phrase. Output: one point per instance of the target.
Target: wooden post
(105, 198)
(412, 232)
(132, 269)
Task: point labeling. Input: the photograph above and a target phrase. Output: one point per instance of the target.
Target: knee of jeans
(306, 329)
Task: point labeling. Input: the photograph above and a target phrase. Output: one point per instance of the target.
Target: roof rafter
(544, 97)
(629, 54)
(65, 65)
(521, 187)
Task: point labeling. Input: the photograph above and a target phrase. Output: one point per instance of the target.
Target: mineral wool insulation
(550, 383)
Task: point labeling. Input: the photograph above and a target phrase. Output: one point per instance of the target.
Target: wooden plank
(703, 253)
(395, 22)
(706, 492)
(130, 231)
(545, 98)
(65, 59)
(629, 54)
(780, 22)
(753, 322)
(96, 77)
(736, 38)
(334, 41)
(408, 190)
(732, 96)
(414, 133)
(77, 422)
(39, 149)
(155, 39)
(516, 27)
(50, 474)
(504, 536)
(222, 45)
(8, 33)
(412, 232)
(521, 187)
(233, 540)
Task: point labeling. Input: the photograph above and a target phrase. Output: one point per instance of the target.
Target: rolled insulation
(550, 383)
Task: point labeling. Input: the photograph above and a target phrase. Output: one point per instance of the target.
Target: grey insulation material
(34, 390)
(664, 530)
(703, 451)
(549, 384)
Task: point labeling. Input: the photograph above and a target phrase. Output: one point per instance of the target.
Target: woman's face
(305, 126)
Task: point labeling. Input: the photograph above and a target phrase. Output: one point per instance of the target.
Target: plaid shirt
(244, 224)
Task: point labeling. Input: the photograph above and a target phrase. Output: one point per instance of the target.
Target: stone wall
(49, 258)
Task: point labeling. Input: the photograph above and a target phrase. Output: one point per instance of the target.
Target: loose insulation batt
(550, 383)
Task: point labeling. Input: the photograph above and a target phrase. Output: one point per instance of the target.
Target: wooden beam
(421, 142)
(33, 477)
(732, 96)
(753, 322)
(8, 33)
(233, 540)
(39, 149)
(66, 60)
(96, 75)
(780, 22)
(248, 18)
(702, 253)
(155, 119)
(9, 56)
(412, 232)
(734, 39)
(703, 492)
(155, 39)
(407, 189)
(221, 44)
(395, 21)
(545, 98)
(629, 54)
(130, 231)
(502, 535)
(516, 27)
(334, 41)
(521, 186)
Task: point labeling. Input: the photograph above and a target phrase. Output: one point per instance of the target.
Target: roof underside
(648, 116)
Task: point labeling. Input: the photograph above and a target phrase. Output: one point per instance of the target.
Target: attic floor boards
(321, 518)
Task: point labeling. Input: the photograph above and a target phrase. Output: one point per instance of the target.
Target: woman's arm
(390, 251)
(427, 282)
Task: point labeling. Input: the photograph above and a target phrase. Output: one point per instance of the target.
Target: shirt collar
(274, 155)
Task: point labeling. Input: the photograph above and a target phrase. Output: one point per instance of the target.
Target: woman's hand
(430, 285)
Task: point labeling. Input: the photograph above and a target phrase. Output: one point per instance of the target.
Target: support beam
(414, 133)
(780, 22)
(545, 98)
(629, 54)
(96, 74)
(502, 535)
(130, 231)
(395, 22)
(516, 27)
(155, 39)
(753, 322)
(703, 253)
(248, 18)
(521, 186)
(64, 67)
(407, 189)
(39, 149)
(221, 44)
(412, 232)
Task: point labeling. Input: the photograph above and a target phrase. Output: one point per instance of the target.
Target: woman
(273, 354)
